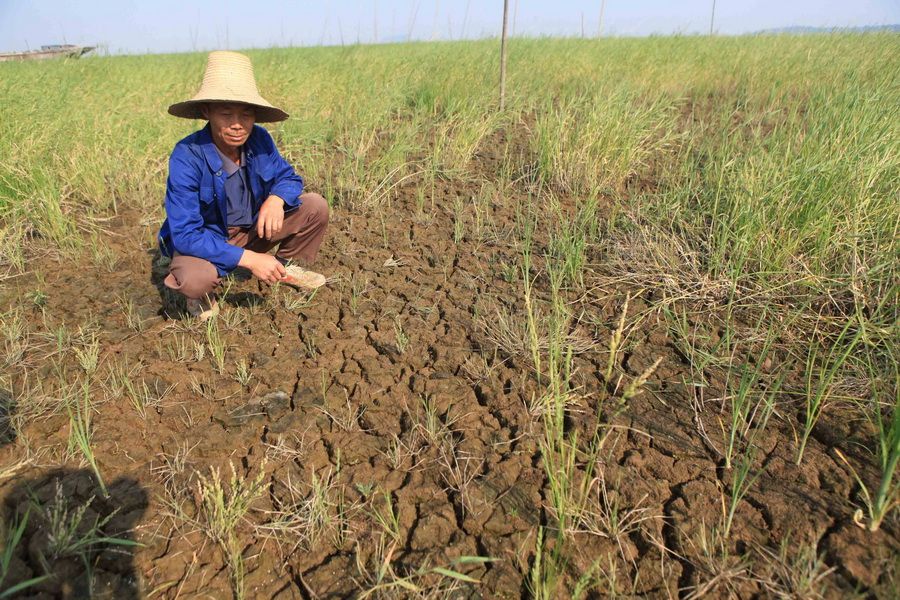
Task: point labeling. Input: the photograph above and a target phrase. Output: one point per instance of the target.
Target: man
(231, 197)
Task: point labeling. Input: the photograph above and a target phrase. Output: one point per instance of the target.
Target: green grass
(11, 538)
(772, 148)
(222, 508)
(80, 408)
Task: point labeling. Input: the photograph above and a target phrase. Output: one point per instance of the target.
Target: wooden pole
(712, 18)
(503, 56)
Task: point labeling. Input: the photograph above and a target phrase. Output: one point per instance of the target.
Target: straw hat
(228, 78)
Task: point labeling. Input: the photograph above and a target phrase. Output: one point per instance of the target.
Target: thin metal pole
(712, 18)
(462, 33)
(515, 17)
(503, 56)
(412, 21)
(602, 11)
(434, 26)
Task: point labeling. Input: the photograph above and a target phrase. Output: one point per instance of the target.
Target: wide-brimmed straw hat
(228, 78)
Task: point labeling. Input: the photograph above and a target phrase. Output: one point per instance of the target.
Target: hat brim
(191, 109)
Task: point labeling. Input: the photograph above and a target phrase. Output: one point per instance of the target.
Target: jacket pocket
(265, 167)
(209, 208)
(207, 194)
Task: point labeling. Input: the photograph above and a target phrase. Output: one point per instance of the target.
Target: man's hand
(264, 266)
(271, 218)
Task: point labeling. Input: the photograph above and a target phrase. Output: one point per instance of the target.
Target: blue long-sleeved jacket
(195, 222)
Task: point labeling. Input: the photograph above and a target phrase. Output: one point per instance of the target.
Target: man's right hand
(263, 266)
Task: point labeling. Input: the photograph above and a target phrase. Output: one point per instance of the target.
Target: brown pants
(299, 240)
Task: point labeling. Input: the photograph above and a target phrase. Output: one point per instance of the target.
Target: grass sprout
(216, 345)
(242, 372)
(794, 571)
(12, 539)
(820, 377)
(133, 319)
(303, 519)
(15, 338)
(89, 355)
(222, 508)
(380, 578)
(70, 531)
(81, 431)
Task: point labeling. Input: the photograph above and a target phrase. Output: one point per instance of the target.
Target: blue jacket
(195, 195)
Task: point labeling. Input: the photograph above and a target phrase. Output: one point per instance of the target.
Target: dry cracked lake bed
(389, 424)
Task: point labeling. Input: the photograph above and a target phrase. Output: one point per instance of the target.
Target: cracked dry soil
(343, 387)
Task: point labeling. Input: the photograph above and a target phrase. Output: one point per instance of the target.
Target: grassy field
(635, 335)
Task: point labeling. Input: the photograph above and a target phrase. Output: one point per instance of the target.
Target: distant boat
(51, 51)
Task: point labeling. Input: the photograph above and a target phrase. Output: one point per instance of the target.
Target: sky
(135, 26)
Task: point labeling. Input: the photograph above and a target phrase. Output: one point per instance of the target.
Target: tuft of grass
(386, 516)
(749, 406)
(820, 376)
(742, 477)
(102, 255)
(12, 537)
(886, 497)
(15, 337)
(794, 570)
(400, 336)
(242, 372)
(459, 223)
(718, 570)
(359, 287)
(888, 427)
(613, 137)
(569, 243)
(88, 355)
(436, 427)
(81, 431)
(133, 319)
(458, 471)
(303, 519)
(122, 382)
(382, 580)
(297, 301)
(222, 508)
(604, 515)
(615, 341)
(180, 349)
(547, 569)
(216, 345)
(70, 531)
(348, 418)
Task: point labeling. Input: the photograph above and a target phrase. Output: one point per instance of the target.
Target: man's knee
(193, 277)
(317, 207)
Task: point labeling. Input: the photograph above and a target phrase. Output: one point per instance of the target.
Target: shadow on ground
(77, 540)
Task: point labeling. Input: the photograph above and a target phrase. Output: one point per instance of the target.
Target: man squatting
(231, 197)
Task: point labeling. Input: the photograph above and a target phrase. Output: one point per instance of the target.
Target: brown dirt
(349, 389)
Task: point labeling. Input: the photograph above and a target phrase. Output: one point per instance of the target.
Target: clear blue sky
(135, 26)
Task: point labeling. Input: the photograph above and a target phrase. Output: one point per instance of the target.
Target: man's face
(230, 123)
